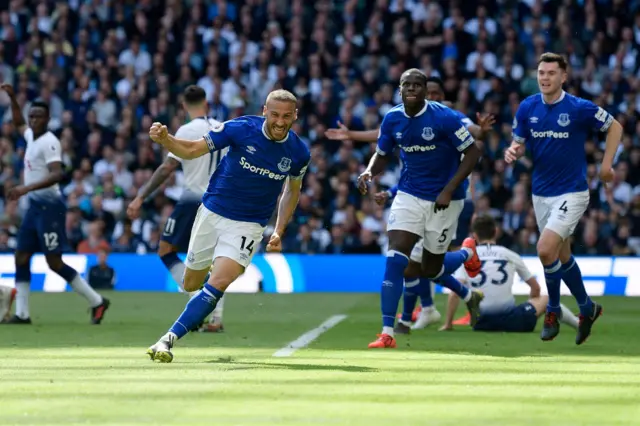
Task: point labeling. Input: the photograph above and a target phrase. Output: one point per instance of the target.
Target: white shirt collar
(422, 111)
(266, 135)
(557, 100)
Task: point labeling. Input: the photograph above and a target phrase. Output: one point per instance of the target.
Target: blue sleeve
(520, 123)
(459, 136)
(393, 191)
(300, 168)
(465, 120)
(595, 117)
(386, 141)
(221, 135)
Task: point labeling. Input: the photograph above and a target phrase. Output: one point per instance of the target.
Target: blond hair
(282, 95)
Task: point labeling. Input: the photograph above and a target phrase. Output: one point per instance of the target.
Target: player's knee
(165, 248)
(57, 265)
(22, 260)
(413, 270)
(547, 252)
(430, 271)
(194, 279)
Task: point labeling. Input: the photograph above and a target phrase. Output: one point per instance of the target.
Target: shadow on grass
(244, 365)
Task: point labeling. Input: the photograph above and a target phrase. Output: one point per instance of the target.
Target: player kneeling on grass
(264, 155)
(498, 309)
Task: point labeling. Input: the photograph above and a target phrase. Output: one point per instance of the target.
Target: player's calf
(23, 285)
(169, 256)
(224, 272)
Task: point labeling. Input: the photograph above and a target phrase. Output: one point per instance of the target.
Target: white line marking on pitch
(308, 337)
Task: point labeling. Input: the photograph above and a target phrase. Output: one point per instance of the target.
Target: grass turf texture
(63, 371)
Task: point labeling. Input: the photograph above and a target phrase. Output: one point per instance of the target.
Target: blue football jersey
(246, 185)
(555, 134)
(430, 146)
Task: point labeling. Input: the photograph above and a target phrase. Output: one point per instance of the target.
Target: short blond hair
(282, 95)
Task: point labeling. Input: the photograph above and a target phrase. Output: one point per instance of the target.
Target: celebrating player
(197, 171)
(498, 309)
(242, 194)
(554, 125)
(416, 286)
(430, 197)
(43, 226)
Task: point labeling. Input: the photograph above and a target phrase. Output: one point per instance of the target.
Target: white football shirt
(198, 171)
(39, 154)
(499, 266)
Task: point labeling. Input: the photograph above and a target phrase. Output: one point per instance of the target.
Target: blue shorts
(177, 230)
(519, 319)
(43, 228)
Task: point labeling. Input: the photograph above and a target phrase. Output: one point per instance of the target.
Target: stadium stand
(108, 69)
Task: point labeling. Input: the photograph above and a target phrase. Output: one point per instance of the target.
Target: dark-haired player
(197, 171)
(554, 126)
(430, 196)
(43, 226)
(498, 309)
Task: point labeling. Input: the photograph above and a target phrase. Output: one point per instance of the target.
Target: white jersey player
(43, 226)
(498, 309)
(197, 172)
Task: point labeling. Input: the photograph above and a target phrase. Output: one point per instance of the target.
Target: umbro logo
(533, 120)
(399, 135)
(251, 149)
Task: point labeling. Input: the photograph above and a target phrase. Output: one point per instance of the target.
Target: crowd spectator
(109, 68)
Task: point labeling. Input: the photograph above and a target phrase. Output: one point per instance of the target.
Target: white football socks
(22, 299)
(568, 317)
(85, 290)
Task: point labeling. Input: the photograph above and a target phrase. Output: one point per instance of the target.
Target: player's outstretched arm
(343, 133)
(16, 111)
(159, 176)
(56, 174)
(180, 147)
(614, 136)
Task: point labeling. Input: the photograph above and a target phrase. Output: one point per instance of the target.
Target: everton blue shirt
(555, 134)
(246, 185)
(430, 146)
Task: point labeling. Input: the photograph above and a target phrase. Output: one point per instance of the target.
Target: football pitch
(63, 371)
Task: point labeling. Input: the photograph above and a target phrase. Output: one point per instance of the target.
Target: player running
(43, 226)
(498, 309)
(175, 237)
(430, 196)
(554, 125)
(416, 286)
(263, 155)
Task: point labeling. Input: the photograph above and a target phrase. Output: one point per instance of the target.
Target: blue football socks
(553, 276)
(197, 309)
(572, 277)
(392, 286)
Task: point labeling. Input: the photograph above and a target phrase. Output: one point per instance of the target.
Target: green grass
(63, 371)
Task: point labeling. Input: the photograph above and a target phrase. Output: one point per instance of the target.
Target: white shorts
(562, 213)
(411, 214)
(214, 236)
(416, 252)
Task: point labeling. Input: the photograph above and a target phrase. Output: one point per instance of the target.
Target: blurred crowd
(109, 68)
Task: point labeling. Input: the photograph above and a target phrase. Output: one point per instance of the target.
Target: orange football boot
(383, 341)
(473, 265)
